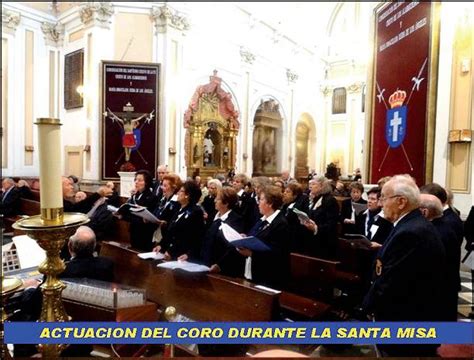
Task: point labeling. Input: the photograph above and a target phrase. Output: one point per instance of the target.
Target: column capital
(10, 20)
(355, 87)
(165, 16)
(291, 76)
(53, 33)
(246, 55)
(97, 14)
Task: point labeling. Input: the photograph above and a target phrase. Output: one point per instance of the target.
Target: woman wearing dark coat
(186, 228)
(293, 198)
(323, 213)
(141, 232)
(168, 205)
(269, 268)
(216, 251)
(348, 214)
(208, 204)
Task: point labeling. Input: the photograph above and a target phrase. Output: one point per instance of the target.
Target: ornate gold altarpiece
(212, 127)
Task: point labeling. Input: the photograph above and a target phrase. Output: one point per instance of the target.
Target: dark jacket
(209, 207)
(82, 206)
(247, 207)
(141, 233)
(298, 232)
(346, 213)
(324, 243)
(383, 231)
(272, 268)
(410, 268)
(217, 250)
(185, 231)
(469, 230)
(10, 205)
(165, 211)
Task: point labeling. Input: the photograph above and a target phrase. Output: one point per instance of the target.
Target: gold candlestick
(52, 239)
(52, 227)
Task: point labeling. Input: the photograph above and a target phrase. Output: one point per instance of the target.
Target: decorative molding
(246, 56)
(10, 20)
(53, 33)
(165, 16)
(291, 76)
(355, 87)
(326, 90)
(97, 13)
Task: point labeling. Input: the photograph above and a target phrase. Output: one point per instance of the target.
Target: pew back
(199, 296)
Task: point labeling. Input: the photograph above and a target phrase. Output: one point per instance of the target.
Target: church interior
(108, 107)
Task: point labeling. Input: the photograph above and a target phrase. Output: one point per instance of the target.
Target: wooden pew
(28, 208)
(201, 297)
(322, 279)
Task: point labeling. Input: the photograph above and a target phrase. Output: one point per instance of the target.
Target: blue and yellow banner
(238, 333)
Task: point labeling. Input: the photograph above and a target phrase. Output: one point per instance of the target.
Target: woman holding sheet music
(269, 268)
(349, 210)
(216, 251)
(141, 232)
(324, 213)
(186, 228)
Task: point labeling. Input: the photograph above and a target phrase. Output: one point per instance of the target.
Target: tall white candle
(49, 148)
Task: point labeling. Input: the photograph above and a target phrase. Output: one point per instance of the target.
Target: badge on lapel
(378, 267)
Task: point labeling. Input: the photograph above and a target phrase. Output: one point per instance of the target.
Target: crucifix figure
(132, 133)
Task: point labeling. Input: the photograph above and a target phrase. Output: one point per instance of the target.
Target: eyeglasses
(383, 198)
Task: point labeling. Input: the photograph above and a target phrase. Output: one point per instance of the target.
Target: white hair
(405, 185)
(215, 182)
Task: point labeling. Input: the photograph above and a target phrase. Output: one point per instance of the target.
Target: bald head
(82, 243)
(430, 206)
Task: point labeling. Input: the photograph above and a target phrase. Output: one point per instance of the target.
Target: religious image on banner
(129, 136)
(130, 128)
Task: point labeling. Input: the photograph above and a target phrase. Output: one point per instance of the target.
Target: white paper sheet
(151, 255)
(29, 252)
(184, 265)
(229, 233)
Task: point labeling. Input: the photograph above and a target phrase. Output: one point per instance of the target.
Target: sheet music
(145, 214)
(184, 265)
(29, 252)
(229, 233)
(302, 216)
(151, 255)
(359, 208)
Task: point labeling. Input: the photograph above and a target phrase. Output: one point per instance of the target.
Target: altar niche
(212, 127)
(267, 138)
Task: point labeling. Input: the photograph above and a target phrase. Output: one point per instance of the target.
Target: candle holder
(51, 229)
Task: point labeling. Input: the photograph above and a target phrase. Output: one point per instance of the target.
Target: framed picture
(129, 112)
(402, 95)
(73, 79)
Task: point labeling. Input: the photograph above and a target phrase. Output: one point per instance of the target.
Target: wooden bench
(28, 208)
(199, 296)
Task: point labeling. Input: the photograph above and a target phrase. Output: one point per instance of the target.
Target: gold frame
(431, 91)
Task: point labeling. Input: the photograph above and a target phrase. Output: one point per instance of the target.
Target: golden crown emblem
(397, 98)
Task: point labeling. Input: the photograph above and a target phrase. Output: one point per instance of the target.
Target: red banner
(129, 117)
(401, 90)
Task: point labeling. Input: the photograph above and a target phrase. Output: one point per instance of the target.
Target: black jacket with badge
(409, 281)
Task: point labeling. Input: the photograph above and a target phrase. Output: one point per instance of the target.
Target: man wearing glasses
(409, 278)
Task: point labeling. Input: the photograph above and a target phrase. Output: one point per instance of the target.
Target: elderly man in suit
(409, 280)
(10, 204)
